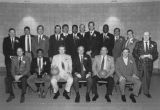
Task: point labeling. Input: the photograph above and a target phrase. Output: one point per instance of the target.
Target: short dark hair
(11, 29)
(117, 29)
(38, 50)
(130, 30)
(126, 49)
(74, 26)
(61, 46)
(27, 27)
(57, 26)
(91, 22)
(40, 26)
(65, 25)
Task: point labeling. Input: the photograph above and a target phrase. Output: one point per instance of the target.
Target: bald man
(145, 53)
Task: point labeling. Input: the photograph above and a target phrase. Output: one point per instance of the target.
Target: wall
(137, 16)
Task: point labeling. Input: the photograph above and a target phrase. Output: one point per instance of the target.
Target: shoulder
(26, 58)
(86, 57)
(56, 56)
(153, 42)
(97, 32)
(109, 34)
(68, 56)
(15, 59)
(110, 57)
(118, 59)
(46, 37)
(97, 56)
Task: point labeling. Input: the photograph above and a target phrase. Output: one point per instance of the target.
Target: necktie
(28, 44)
(12, 41)
(62, 65)
(81, 63)
(146, 46)
(20, 60)
(102, 64)
(40, 63)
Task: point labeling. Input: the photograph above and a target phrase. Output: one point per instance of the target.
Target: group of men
(81, 56)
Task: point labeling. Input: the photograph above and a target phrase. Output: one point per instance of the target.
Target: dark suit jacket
(22, 41)
(7, 47)
(86, 62)
(44, 44)
(126, 70)
(118, 47)
(93, 43)
(72, 45)
(139, 50)
(23, 69)
(82, 40)
(107, 41)
(46, 66)
(54, 44)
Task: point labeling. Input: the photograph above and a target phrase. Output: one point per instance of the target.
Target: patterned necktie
(28, 44)
(20, 60)
(102, 64)
(146, 46)
(63, 67)
(81, 63)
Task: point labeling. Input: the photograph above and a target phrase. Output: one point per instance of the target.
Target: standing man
(82, 35)
(20, 71)
(62, 63)
(55, 41)
(40, 70)
(26, 41)
(65, 30)
(40, 41)
(103, 62)
(127, 72)
(119, 42)
(131, 41)
(107, 39)
(72, 42)
(145, 53)
(10, 45)
(82, 70)
(92, 40)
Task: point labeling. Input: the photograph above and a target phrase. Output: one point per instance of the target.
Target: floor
(33, 102)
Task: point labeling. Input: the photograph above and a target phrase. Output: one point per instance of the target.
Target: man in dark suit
(26, 41)
(145, 53)
(72, 42)
(20, 71)
(119, 42)
(55, 41)
(103, 62)
(127, 72)
(40, 41)
(82, 35)
(107, 39)
(92, 40)
(65, 30)
(10, 45)
(82, 69)
(40, 70)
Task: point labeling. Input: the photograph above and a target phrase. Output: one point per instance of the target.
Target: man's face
(117, 32)
(146, 36)
(125, 53)
(74, 30)
(40, 54)
(91, 26)
(104, 51)
(57, 30)
(82, 28)
(81, 50)
(65, 29)
(130, 35)
(61, 50)
(12, 33)
(19, 52)
(105, 29)
(40, 30)
(26, 31)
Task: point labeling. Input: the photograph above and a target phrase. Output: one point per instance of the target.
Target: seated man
(127, 71)
(103, 69)
(40, 69)
(20, 70)
(82, 69)
(63, 64)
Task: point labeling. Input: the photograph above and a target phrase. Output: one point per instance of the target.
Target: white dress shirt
(144, 42)
(26, 42)
(125, 60)
(105, 59)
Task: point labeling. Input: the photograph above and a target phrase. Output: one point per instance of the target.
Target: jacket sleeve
(155, 52)
(94, 67)
(112, 67)
(27, 70)
(135, 51)
(117, 68)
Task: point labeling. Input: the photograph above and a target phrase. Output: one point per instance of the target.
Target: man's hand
(121, 78)
(134, 76)
(150, 56)
(88, 75)
(89, 53)
(17, 77)
(78, 75)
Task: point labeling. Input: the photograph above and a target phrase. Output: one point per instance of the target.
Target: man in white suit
(63, 63)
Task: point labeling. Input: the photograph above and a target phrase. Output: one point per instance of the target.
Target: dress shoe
(77, 99)
(22, 99)
(87, 97)
(123, 97)
(107, 98)
(132, 98)
(148, 95)
(10, 98)
(65, 94)
(56, 95)
(95, 97)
